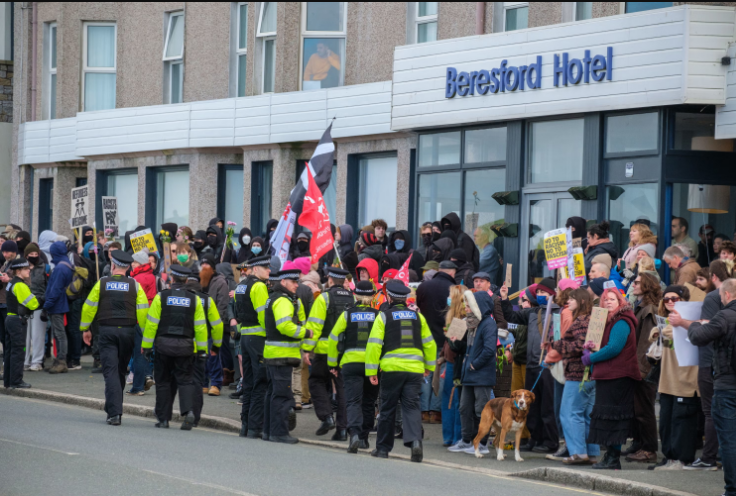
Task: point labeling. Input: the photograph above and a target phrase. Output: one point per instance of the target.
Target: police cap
(364, 288)
(121, 258)
(337, 273)
(397, 289)
(263, 261)
(180, 271)
(19, 263)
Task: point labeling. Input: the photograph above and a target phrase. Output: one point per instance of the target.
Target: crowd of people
(299, 335)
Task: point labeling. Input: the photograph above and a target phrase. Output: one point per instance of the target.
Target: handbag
(654, 353)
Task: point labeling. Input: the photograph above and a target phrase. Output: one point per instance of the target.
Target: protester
(616, 372)
(686, 268)
(35, 342)
(490, 260)
(379, 230)
(214, 285)
(679, 231)
(641, 238)
(465, 269)
(599, 243)
(451, 222)
(450, 361)
(706, 252)
(56, 304)
(577, 226)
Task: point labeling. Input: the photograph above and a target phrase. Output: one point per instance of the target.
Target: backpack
(81, 283)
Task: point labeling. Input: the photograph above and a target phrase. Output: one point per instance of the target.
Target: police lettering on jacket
(241, 289)
(116, 286)
(404, 315)
(178, 301)
(362, 317)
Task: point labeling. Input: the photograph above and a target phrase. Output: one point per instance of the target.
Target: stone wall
(6, 91)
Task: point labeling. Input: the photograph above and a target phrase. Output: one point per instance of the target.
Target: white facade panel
(726, 114)
(660, 57)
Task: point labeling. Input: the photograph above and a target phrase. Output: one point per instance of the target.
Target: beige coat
(674, 380)
(687, 272)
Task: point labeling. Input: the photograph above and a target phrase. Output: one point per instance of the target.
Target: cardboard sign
(597, 326)
(167, 257)
(143, 239)
(80, 207)
(457, 329)
(110, 221)
(555, 248)
(556, 326)
(507, 282)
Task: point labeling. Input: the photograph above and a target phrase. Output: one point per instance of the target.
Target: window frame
(239, 51)
(97, 70)
(418, 20)
(51, 70)
(323, 34)
(641, 153)
(265, 37)
(575, 11)
(515, 5)
(527, 185)
(170, 62)
(169, 22)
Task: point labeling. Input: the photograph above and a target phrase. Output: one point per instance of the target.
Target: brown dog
(504, 415)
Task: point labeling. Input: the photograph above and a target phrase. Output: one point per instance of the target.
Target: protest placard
(143, 239)
(457, 329)
(80, 210)
(507, 282)
(110, 216)
(555, 248)
(597, 326)
(687, 353)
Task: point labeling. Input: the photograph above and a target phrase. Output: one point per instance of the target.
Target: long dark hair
(584, 300)
(650, 289)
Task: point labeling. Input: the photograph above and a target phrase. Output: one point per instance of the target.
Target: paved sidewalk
(86, 384)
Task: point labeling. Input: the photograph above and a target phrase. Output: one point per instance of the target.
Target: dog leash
(539, 376)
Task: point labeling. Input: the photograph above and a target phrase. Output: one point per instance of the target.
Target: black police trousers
(14, 350)
(320, 388)
(255, 381)
(200, 364)
(279, 399)
(360, 396)
(407, 387)
(172, 373)
(116, 349)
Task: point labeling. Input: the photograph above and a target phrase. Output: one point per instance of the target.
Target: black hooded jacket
(216, 247)
(417, 259)
(199, 235)
(440, 250)
(244, 253)
(607, 248)
(463, 240)
(271, 224)
(580, 232)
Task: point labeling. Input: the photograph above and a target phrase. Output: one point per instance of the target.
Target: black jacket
(721, 331)
(464, 274)
(417, 259)
(601, 249)
(463, 240)
(432, 302)
(711, 306)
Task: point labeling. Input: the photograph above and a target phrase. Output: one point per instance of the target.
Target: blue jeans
(559, 388)
(450, 412)
(428, 401)
(213, 372)
(723, 411)
(141, 368)
(575, 409)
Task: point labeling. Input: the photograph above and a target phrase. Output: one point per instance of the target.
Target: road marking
(39, 447)
(204, 484)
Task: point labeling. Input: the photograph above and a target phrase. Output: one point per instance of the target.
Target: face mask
(182, 257)
(199, 243)
(256, 250)
(246, 239)
(303, 245)
(542, 300)
(33, 260)
(427, 239)
(449, 301)
(399, 244)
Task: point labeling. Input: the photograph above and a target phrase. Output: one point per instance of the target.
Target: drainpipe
(34, 57)
(480, 17)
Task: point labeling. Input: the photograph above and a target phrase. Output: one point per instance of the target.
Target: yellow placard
(579, 259)
(143, 239)
(555, 249)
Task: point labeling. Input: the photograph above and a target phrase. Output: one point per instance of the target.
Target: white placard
(686, 352)
(80, 207)
(110, 219)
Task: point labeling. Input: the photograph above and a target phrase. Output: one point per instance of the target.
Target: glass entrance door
(541, 212)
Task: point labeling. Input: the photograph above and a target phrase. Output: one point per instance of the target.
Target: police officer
(214, 330)
(284, 315)
(322, 317)
(349, 337)
(118, 302)
(21, 304)
(402, 344)
(250, 305)
(176, 323)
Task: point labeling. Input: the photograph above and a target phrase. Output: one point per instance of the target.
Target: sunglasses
(673, 299)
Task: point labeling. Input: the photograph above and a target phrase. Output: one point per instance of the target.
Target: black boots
(379, 453)
(254, 434)
(22, 385)
(354, 444)
(114, 420)
(340, 435)
(162, 424)
(292, 419)
(417, 454)
(243, 429)
(188, 422)
(284, 439)
(326, 426)
(611, 461)
(364, 444)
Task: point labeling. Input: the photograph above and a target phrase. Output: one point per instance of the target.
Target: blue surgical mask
(399, 244)
(256, 250)
(449, 301)
(542, 300)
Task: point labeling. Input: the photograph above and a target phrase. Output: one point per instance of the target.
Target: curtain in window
(101, 46)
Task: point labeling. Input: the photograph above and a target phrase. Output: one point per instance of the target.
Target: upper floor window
(632, 7)
(323, 44)
(99, 66)
(241, 48)
(267, 34)
(426, 21)
(50, 76)
(174, 59)
(516, 15)
(583, 11)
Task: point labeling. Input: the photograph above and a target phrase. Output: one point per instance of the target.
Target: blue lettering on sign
(117, 286)
(241, 289)
(404, 315)
(566, 71)
(362, 317)
(178, 301)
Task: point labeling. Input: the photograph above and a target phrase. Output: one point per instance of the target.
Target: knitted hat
(32, 247)
(9, 246)
(303, 264)
(596, 285)
(531, 292)
(459, 255)
(369, 239)
(568, 284)
(678, 290)
(141, 257)
(390, 273)
(547, 284)
(647, 248)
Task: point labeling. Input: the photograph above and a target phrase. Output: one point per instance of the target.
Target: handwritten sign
(457, 329)
(143, 239)
(555, 248)
(507, 282)
(110, 216)
(597, 326)
(80, 207)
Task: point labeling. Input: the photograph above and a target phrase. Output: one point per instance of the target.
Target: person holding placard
(451, 358)
(615, 370)
(679, 396)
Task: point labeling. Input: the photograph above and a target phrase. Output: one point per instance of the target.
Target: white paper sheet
(687, 353)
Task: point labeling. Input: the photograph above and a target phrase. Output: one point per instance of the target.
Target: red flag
(403, 274)
(315, 217)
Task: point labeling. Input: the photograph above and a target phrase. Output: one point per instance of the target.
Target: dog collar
(517, 406)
